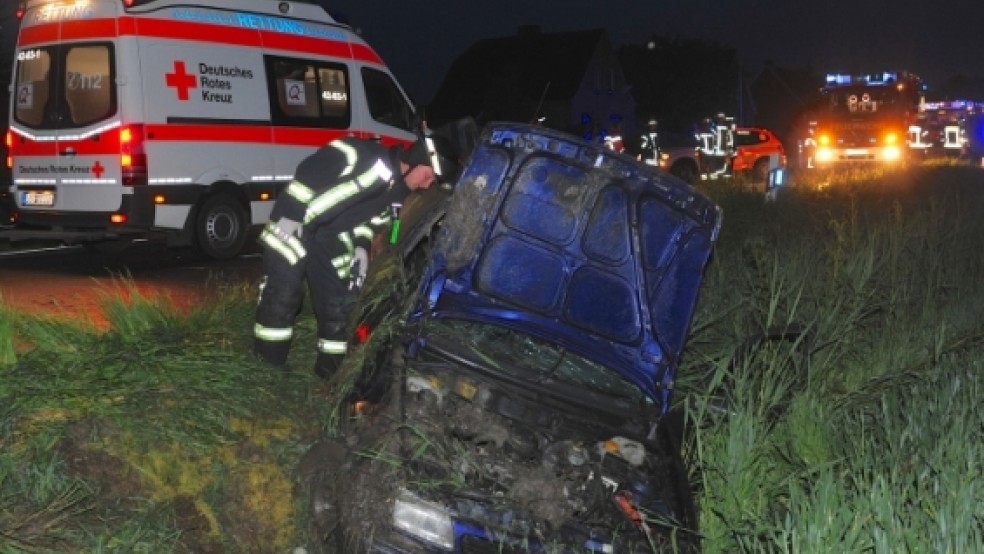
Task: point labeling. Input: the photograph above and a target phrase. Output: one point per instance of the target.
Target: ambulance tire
(220, 227)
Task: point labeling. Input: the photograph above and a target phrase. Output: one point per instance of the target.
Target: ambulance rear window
(308, 93)
(65, 86)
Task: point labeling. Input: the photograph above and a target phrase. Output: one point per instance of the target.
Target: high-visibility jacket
(340, 196)
(350, 185)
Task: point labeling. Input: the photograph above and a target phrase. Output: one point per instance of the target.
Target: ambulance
(178, 118)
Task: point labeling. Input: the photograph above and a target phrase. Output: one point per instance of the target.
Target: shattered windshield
(529, 358)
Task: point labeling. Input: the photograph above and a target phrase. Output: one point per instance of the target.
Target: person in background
(614, 140)
(649, 145)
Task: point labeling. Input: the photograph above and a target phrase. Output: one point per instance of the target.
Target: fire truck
(940, 128)
(863, 119)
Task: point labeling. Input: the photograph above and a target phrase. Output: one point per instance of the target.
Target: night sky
(936, 40)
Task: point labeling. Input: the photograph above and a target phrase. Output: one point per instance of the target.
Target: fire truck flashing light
(883, 79)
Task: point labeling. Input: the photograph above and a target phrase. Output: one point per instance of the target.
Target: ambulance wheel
(220, 227)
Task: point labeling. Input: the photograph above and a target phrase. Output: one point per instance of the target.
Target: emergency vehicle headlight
(892, 153)
(824, 155)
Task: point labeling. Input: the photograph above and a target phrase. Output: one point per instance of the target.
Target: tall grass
(831, 384)
(161, 434)
(857, 429)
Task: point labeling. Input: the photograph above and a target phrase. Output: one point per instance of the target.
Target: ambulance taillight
(8, 141)
(21, 10)
(133, 159)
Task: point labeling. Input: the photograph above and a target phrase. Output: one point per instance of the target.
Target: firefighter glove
(286, 228)
(359, 268)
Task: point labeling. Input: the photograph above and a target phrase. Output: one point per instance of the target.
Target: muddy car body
(520, 382)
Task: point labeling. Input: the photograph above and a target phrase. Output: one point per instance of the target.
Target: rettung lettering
(257, 21)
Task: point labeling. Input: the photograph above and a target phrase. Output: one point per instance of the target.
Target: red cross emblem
(181, 80)
(98, 169)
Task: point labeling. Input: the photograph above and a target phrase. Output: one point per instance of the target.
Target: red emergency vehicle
(864, 118)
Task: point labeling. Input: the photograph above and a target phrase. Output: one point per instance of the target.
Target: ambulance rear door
(64, 113)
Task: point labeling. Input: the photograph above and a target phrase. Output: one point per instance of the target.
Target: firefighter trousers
(282, 294)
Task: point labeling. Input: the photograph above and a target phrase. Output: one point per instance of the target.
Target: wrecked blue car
(518, 349)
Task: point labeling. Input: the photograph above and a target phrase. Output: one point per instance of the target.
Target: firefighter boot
(272, 352)
(331, 335)
(327, 365)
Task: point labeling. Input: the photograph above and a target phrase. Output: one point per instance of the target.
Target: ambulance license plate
(38, 198)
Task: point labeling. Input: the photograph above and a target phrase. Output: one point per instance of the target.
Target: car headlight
(892, 153)
(423, 520)
(824, 155)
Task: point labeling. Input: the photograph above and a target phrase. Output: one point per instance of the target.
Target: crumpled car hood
(562, 239)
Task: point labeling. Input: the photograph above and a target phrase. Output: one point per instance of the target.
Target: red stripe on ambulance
(96, 29)
(208, 101)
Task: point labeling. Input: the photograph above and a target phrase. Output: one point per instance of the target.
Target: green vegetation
(831, 386)
(856, 427)
(161, 434)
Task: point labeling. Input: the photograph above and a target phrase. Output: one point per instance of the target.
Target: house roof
(530, 66)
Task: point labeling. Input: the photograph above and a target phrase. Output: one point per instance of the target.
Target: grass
(161, 434)
(861, 434)
(831, 384)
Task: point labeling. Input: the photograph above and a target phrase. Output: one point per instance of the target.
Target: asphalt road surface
(73, 282)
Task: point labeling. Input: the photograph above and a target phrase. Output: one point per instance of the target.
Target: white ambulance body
(132, 117)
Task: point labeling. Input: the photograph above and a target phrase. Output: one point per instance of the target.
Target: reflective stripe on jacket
(288, 246)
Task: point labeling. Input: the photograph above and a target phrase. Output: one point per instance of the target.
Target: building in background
(570, 81)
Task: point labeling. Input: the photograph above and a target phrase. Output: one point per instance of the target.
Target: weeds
(863, 452)
(162, 410)
(831, 384)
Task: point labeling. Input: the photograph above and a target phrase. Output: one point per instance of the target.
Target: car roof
(563, 239)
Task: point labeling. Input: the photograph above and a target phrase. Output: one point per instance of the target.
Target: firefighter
(614, 140)
(649, 144)
(321, 229)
